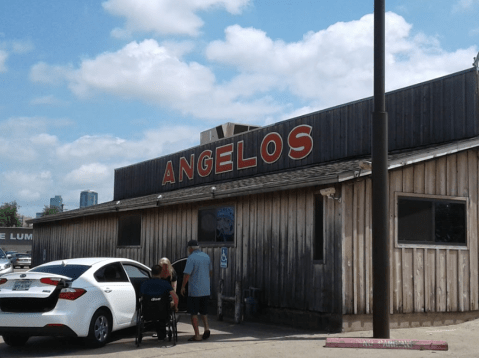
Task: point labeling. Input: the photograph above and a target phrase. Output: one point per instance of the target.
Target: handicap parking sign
(224, 257)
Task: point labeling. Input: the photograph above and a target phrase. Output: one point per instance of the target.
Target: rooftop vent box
(224, 131)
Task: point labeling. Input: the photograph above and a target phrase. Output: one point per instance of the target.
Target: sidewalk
(253, 340)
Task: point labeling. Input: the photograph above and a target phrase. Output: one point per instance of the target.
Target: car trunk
(24, 292)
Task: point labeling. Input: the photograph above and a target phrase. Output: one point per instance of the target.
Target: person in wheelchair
(154, 289)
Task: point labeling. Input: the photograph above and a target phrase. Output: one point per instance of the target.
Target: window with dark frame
(431, 221)
(318, 243)
(216, 225)
(129, 230)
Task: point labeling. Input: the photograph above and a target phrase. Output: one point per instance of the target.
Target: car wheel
(100, 328)
(14, 340)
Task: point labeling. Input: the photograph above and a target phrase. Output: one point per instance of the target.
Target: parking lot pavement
(250, 340)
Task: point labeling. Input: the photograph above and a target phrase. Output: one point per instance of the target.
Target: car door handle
(107, 290)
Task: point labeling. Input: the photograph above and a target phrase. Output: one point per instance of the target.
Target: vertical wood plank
(432, 279)
(268, 246)
(287, 247)
(347, 248)
(275, 252)
(355, 256)
(368, 248)
(302, 263)
(473, 229)
(360, 188)
(419, 297)
(441, 293)
(407, 278)
(395, 185)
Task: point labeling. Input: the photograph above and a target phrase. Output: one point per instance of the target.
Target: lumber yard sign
(16, 236)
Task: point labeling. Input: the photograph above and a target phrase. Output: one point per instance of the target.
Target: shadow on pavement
(123, 342)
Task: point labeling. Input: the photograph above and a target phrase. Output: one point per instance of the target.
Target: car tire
(15, 340)
(100, 328)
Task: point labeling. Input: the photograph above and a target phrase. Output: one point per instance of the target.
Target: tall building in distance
(57, 202)
(88, 198)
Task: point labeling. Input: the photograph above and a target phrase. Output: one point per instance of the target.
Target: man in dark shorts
(197, 272)
(157, 287)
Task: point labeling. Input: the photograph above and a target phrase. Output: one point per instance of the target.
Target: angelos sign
(225, 158)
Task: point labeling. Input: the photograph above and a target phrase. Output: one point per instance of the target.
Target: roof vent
(224, 131)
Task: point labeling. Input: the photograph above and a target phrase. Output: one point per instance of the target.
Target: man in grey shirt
(197, 272)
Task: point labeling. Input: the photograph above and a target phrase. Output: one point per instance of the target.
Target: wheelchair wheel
(139, 330)
(174, 329)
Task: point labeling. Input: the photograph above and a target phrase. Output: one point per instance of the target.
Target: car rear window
(72, 271)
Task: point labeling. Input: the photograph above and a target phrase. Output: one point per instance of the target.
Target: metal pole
(380, 185)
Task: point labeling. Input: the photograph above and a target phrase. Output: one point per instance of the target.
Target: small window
(129, 230)
(111, 273)
(318, 241)
(431, 221)
(216, 225)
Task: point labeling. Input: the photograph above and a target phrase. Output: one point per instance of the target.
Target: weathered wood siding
(272, 251)
(435, 279)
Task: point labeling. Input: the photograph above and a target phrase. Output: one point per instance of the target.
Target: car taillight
(50, 281)
(3, 280)
(71, 293)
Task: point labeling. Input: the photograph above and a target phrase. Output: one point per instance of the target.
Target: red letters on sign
(186, 168)
(276, 139)
(241, 162)
(169, 176)
(205, 163)
(300, 142)
(224, 160)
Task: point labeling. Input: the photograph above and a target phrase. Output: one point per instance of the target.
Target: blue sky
(90, 86)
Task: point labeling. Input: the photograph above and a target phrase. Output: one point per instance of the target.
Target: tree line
(9, 216)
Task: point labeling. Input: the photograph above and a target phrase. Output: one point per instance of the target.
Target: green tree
(9, 215)
(50, 210)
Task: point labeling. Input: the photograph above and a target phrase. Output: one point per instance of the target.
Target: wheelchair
(152, 313)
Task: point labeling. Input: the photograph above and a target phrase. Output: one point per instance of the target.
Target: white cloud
(463, 5)
(3, 60)
(335, 65)
(166, 16)
(324, 68)
(44, 139)
(157, 74)
(22, 46)
(67, 168)
(88, 175)
(47, 100)
(54, 75)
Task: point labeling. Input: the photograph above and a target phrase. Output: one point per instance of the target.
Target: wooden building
(292, 204)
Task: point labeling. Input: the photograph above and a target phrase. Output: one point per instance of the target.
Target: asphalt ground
(250, 339)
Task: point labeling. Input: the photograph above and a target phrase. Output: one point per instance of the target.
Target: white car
(5, 264)
(85, 297)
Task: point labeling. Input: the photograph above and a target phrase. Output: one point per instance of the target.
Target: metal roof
(322, 174)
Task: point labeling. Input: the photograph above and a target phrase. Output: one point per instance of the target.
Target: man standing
(156, 287)
(197, 272)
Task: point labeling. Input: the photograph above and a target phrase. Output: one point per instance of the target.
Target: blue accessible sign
(224, 257)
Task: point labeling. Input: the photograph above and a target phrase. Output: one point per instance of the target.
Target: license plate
(23, 285)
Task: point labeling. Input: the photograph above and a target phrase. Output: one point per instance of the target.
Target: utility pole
(380, 185)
